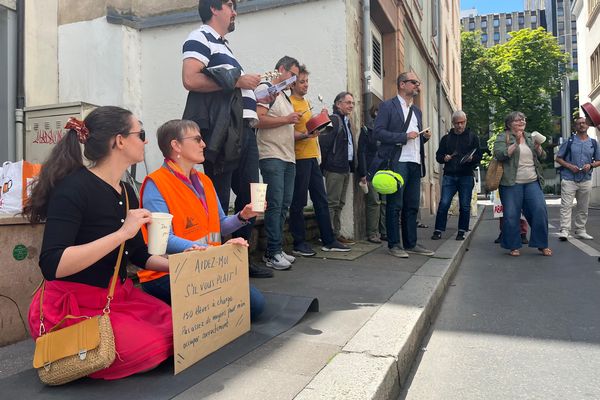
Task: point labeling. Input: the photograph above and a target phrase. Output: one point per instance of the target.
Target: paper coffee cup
(258, 194)
(538, 137)
(364, 187)
(158, 233)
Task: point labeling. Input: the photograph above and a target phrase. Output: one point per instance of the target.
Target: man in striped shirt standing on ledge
(224, 110)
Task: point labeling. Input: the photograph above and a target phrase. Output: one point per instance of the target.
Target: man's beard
(231, 26)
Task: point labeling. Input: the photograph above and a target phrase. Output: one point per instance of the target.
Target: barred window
(595, 68)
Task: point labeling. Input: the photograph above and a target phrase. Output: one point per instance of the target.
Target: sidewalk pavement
(374, 311)
(373, 314)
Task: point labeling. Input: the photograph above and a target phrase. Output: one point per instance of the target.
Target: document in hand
(271, 90)
(466, 157)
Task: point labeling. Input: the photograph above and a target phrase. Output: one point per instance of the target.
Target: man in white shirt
(399, 128)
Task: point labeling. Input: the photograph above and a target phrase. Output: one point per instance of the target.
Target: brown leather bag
(494, 173)
(64, 355)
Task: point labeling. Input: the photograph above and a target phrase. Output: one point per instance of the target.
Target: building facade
(128, 53)
(587, 16)
(529, 5)
(561, 23)
(496, 28)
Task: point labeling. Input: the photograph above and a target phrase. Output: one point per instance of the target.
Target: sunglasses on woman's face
(141, 133)
(197, 138)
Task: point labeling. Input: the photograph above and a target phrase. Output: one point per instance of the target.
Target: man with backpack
(577, 157)
(399, 128)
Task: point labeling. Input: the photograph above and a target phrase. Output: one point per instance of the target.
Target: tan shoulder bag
(494, 173)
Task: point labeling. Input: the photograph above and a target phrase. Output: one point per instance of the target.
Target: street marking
(587, 249)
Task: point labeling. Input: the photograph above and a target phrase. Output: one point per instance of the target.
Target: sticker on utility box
(20, 252)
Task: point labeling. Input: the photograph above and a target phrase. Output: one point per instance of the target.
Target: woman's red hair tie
(78, 126)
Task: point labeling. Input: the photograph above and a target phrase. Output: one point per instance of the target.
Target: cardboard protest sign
(210, 299)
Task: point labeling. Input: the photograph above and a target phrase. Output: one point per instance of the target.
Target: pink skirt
(141, 323)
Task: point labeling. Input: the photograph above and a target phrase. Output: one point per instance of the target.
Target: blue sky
(492, 6)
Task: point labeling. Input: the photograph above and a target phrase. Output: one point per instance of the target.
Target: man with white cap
(577, 157)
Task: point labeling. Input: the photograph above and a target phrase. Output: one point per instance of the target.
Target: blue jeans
(309, 179)
(161, 289)
(238, 180)
(279, 176)
(403, 206)
(450, 185)
(529, 198)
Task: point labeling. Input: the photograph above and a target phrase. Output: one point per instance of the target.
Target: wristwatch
(244, 220)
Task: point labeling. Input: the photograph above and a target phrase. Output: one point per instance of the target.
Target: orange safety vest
(191, 220)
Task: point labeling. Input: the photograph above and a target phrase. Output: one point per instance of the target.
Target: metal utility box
(44, 127)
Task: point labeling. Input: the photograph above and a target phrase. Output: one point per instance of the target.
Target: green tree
(519, 75)
(525, 73)
(475, 83)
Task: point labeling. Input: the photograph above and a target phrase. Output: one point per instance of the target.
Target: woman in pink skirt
(86, 222)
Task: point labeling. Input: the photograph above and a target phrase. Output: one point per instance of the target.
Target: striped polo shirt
(207, 46)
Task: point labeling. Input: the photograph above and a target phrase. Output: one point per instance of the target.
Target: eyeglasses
(413, 81)
(349, 102)
(141, 133)
(197, 138)
(520, 119)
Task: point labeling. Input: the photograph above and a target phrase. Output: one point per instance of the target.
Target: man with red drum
(308, 177)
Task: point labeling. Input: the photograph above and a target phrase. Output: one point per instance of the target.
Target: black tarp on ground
(281, 313)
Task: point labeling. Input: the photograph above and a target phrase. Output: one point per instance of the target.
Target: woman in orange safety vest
(179, 189)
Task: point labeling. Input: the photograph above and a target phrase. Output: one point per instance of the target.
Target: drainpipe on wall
(440, 58)
(366, 51)
(19, 118)
(439, 84)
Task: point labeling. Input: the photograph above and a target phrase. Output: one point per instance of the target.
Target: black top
(83, 208)
(334, 146)
(367, 148)
(459, 146)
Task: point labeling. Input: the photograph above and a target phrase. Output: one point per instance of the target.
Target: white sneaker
(583, 235)
(286, 256)
(278, 262)
(290, 259)
(563, 235)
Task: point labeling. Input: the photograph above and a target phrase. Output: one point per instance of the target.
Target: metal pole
(366, 53)
(19, 117)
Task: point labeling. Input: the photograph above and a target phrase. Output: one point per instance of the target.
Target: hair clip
(79, 127)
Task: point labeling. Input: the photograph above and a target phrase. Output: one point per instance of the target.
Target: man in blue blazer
(399, 128)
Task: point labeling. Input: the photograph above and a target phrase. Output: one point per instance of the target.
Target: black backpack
(568, 150)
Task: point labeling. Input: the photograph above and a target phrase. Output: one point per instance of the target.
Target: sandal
(514, 253)
(547, 252)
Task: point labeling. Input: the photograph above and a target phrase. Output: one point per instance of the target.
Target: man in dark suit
(399, 128)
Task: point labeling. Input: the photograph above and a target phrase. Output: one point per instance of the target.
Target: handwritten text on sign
(210, 301)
